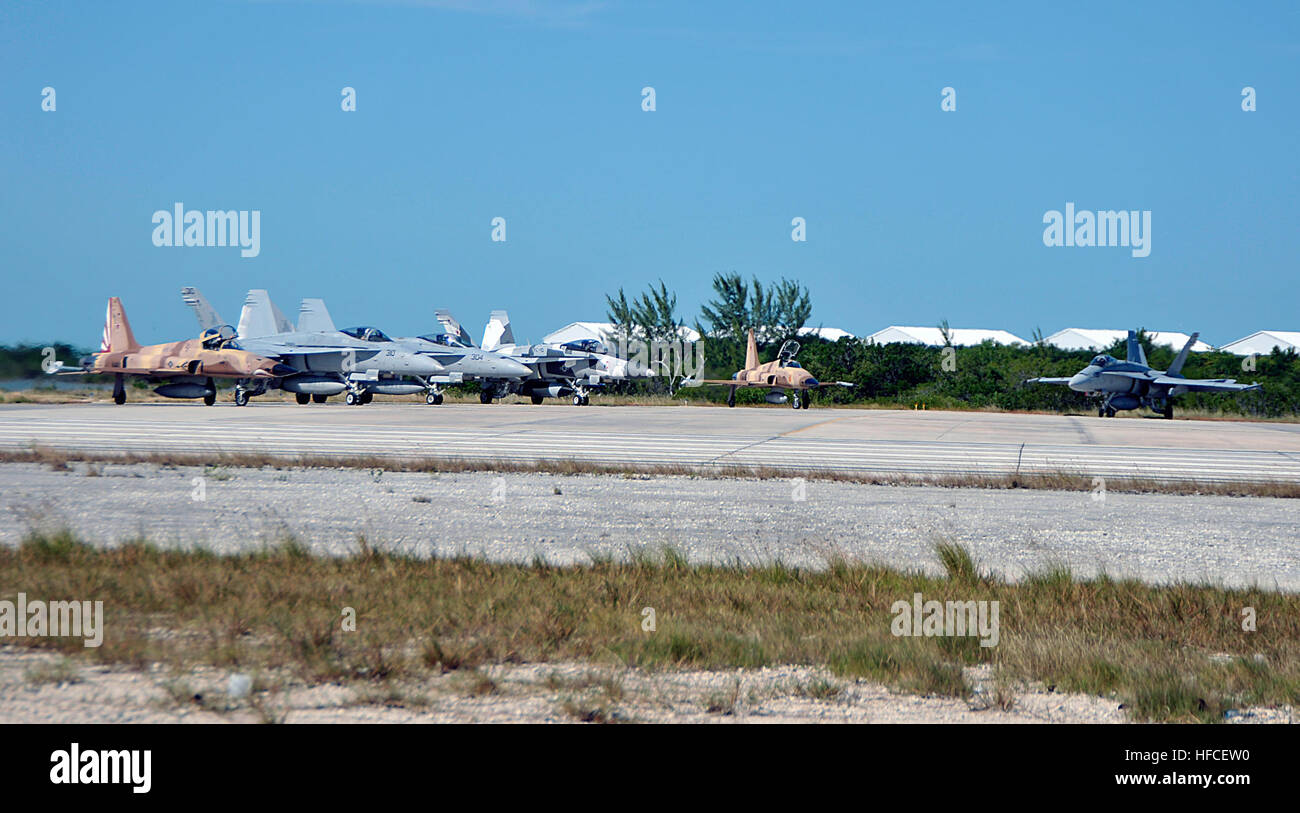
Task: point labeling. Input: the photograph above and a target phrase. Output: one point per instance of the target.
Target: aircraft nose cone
(423, 365)
(513, 369)
(812, 382)
(1076, 382)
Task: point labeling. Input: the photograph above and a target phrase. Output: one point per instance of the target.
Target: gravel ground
(43, 688)
(514, 517)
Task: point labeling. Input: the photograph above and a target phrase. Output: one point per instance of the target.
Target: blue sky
(531, 111)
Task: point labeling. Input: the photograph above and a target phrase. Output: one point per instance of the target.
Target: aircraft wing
(1047, 381)
(720, 382)
(848, 384)
(1204, 384)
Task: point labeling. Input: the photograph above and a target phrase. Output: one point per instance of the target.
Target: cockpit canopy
(445, 339)
(788, 351)
(214, 338)
(367, 334)
(585, 346)
(1102, 361)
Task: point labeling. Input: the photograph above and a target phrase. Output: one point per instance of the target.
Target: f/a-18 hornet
(1132, 383)
(185, 369)
(328, 362)
(572, 369)
(779, 376)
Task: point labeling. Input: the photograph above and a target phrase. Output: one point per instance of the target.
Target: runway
(843, 440)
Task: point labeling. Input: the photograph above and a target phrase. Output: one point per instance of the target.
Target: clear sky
(532, 111)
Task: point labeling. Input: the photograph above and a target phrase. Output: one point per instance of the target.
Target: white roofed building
(1262, 342)
(1078, 338)
(830, 334)
(932, 336)
(576, 331)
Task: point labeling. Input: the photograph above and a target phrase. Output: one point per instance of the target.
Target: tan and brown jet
(778, 376)
(185, 369)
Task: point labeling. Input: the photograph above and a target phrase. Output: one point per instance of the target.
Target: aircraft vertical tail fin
(1177, 367)
(282, 323)
(498, 331)
(751, 352)
(117, 330)
(258, 318)
(1135, 351)
(452, 327)
(313, 317)
(203, 310)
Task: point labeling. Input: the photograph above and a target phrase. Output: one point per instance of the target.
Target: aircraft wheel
(1169, 412)
(430, 399)
(351, 399)
(1110, 413)
(807, 400)
(577, 400)
(210, 399)
(1101, 412)
(537, 399)
(119, 398)
(586, 400)
(367, 397)
(241, 397)
(795, 400)
(319, 399)
(485, 396)
(302, 397)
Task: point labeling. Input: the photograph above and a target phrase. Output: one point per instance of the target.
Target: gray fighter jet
(1132, 383)
(456, 362)
(570, 370)
(329, 361)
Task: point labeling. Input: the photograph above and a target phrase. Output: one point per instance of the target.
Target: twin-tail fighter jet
(328, 361)
(779, 376)
(185, 369)
(1132, 383)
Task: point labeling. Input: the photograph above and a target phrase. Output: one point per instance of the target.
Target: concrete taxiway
(845, 440)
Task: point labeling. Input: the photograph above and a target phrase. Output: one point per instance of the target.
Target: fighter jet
(1132, 383)
(185, 369)
(778, 376)
(328, 362)
(569, 370)
(459, 362)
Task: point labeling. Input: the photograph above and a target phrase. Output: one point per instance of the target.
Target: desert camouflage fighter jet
(185, 369)
(570, 370)
(1132, 383)
(328, 361)
(778, 376)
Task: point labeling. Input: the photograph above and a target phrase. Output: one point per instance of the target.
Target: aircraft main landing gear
(795, 400)
(433, 398)
(301, 398)
(731, 397)
(119, 390)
